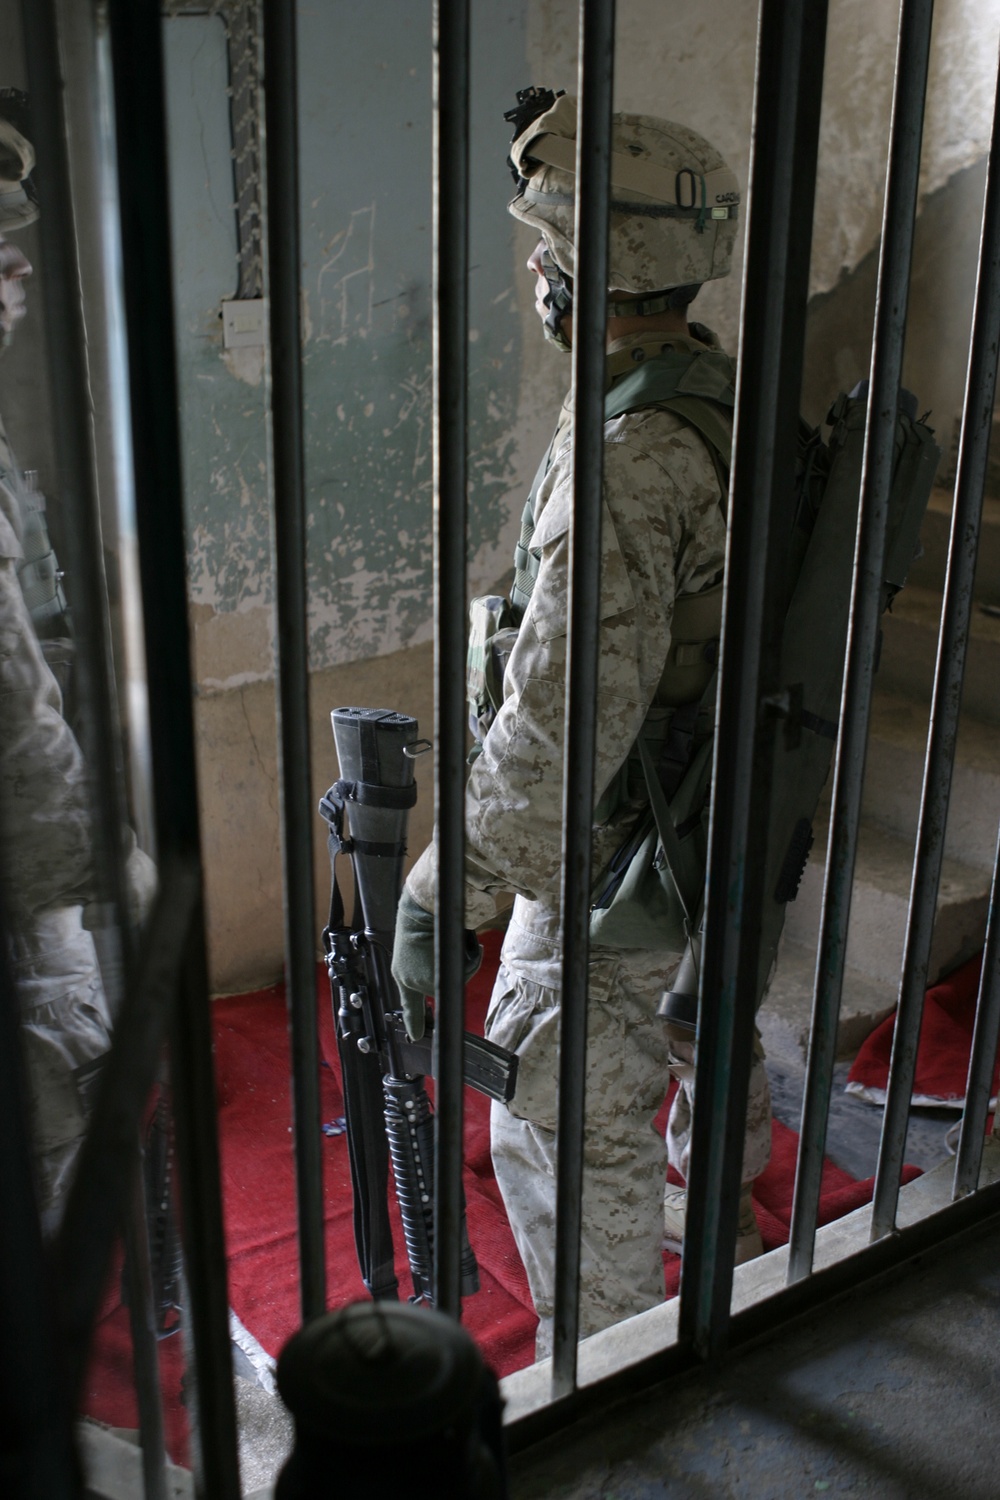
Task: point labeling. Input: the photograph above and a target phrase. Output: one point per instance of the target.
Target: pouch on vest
(492, 635)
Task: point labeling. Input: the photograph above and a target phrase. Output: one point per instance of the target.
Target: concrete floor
(854, 1127)
(892, 1392)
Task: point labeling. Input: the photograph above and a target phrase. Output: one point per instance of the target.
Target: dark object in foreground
(385, 1102)
(390, 1401)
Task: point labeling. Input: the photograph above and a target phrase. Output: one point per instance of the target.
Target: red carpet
(254, 1113)
(943, 1051)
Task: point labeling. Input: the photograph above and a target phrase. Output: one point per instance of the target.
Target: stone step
(909, 651)
(928, 571)
(894, 771)
(785, 1017)
(879, 907)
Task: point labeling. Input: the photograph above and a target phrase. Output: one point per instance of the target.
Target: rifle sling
(680, 860)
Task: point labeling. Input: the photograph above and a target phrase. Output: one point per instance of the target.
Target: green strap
(699, 388)
(685, 869)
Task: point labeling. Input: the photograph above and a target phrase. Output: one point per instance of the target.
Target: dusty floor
(893, 1392)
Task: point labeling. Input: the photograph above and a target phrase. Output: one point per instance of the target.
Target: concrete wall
(366, 182)
(366, 151)
(365, 130)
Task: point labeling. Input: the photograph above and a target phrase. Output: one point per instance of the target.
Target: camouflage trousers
(66, 1031)
(756, 1141)
(629, 1066)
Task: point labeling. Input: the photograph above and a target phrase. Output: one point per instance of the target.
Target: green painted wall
(365, 127)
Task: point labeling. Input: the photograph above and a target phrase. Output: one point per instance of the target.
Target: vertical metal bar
(36, 1413)
(137, 55)
(883, 398)
(595, 90)
(790, 53)
(946, 700)
(297, 801)
(450, 278)
(69, 377)
(984, 1051)
(145, 1353)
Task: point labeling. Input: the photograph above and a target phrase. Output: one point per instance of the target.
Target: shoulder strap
(699, 388)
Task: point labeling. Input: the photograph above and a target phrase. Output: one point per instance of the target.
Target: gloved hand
(413, 961)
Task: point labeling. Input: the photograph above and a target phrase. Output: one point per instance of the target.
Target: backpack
(650, 894)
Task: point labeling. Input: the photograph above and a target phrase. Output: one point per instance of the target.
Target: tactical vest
(37, 568)
(650, 895)
(699, 387)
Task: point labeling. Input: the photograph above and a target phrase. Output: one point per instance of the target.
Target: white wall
(693, 60)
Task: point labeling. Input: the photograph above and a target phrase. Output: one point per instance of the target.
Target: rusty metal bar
(945, 705)
(790, 56)
(298, 813)
(451, 322)
(984, 1050)
(137, 59)
(866, 604)
(590, 318)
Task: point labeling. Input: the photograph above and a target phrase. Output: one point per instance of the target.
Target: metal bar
(978, 1214)
(451, 312)
(97, 1201)
(37, 1409)
(887, 353)
(595, 88)
(946, 700)
(69, 378)
(142, 1322)
(790, 55)
(984, 1050)
(297, 800)
(137, 57)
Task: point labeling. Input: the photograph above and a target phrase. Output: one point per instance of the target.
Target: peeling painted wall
(365, 171)
(366, 183)
(366, 174)
(694, 61)
(365, 101)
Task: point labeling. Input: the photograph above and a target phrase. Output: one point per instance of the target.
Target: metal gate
(48, 1316)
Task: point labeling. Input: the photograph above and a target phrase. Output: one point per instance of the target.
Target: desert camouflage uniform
(663, 533)
(46, 871)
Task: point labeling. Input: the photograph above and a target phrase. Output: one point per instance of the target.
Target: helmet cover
(18, 204)
(674, 201)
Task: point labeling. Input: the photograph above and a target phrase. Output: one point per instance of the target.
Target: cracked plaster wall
(365, 142)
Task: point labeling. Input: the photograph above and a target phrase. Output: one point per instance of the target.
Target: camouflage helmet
(18, 204)
(674, 202)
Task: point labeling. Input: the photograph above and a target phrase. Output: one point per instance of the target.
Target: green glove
(413, 961)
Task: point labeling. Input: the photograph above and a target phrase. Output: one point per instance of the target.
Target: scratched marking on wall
(345, 282)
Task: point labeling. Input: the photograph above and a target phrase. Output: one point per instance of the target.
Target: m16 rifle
(386, 1108)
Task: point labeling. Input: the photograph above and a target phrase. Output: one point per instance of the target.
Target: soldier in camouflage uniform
(663, 537)
(46, 862)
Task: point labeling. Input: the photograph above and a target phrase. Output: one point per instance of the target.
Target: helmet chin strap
(558, 300)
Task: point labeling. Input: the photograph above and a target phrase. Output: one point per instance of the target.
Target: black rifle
(385, 1103)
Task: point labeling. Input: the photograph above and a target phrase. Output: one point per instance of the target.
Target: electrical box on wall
(244, 323)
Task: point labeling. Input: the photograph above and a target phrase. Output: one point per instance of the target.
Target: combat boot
(748, 1241)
